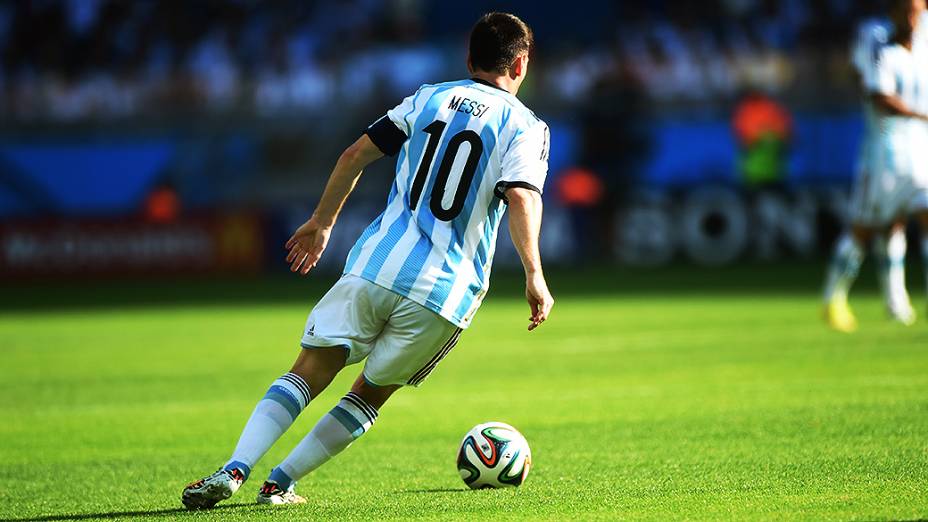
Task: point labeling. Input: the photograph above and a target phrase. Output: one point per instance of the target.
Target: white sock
(334, 432)
(843, 269)
(895, 261)
(281, 405)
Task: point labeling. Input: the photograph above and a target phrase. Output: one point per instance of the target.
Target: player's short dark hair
(496, 40)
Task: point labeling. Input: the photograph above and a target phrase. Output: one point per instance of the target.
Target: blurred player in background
(889, 251)
(892, 59)
(873, 34)
(417, 275)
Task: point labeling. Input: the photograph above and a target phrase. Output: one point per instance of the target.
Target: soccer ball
(494, 455)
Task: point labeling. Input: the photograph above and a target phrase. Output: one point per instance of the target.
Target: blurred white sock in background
(842, 271)
(895, 261)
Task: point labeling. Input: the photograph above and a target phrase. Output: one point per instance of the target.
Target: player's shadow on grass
(124, 514)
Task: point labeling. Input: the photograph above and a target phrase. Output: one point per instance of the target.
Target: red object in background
(162, 206)
(757, 115)
(232, 243)
(579, 187)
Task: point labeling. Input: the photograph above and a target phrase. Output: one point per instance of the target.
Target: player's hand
(306, 245)
(539, 299)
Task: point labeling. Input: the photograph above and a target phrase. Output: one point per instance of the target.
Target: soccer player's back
(467, 151)
(468, 141)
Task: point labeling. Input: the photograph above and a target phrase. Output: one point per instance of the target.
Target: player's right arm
(309, 241)
(893, 104)
(384, 137)
(524, 227)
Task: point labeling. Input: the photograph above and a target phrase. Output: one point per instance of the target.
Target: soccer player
(894, 182)
(414, 279)
(873, 33)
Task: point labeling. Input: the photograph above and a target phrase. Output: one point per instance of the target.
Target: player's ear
(470, 64)
(519, 66)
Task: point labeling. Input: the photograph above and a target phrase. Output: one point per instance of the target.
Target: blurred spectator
(162, 205)
(581, 192)
(65, 60)
(762, 127)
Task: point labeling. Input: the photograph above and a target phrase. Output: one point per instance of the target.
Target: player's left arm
(523, 173)
(525, 209)
(309, 241)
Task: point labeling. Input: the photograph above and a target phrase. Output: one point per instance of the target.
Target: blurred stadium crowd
(713, 130)
(67, 60)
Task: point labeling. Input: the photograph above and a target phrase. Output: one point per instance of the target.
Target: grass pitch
(638, 404)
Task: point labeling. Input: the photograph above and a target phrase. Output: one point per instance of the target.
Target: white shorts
(402, 340)
(892, 184)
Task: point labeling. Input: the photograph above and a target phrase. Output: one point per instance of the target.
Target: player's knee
(374, 395)
(318, 366)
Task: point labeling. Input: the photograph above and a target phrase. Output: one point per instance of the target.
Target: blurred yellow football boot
(839, 316)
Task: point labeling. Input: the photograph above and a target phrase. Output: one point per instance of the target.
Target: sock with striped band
(842, 271)
(335, 431)
(281, 405)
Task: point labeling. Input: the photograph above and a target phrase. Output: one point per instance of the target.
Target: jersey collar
(484, 82)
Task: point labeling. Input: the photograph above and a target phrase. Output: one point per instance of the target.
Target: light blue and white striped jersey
(904, 73)
(921, 34)
(460, 145)
(872, 35)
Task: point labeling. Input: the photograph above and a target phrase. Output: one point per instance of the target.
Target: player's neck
(502, 81)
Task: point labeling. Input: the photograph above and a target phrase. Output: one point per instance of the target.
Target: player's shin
(281, 405)
(842, 271)
(335, 431)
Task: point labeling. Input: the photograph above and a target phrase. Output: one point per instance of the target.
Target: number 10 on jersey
(434, 130)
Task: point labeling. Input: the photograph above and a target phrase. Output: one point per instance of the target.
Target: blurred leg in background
(892, 249)
(842, 272)
(923, 230)
(880, 249)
